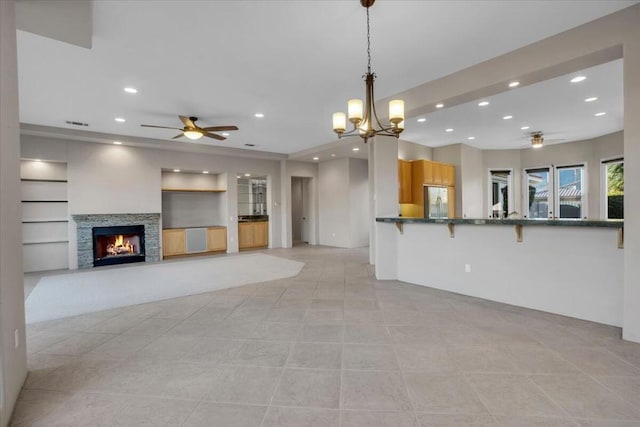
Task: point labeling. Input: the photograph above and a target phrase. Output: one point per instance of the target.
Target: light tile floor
(330, 347)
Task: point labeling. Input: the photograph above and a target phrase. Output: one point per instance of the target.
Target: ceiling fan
(537, 139)
(192, 131)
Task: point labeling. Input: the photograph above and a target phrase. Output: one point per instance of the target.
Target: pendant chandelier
(364, 116)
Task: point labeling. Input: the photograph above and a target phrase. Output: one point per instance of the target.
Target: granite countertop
(612, 223)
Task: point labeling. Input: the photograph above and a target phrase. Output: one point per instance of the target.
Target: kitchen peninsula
(568, 267)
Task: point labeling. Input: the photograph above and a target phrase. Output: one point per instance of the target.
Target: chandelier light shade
(363, 115)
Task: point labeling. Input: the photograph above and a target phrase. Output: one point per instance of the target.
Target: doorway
(300, 210)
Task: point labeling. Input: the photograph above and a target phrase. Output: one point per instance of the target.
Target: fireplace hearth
(118, 245)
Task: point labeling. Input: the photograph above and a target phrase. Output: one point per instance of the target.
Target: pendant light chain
(368, 45)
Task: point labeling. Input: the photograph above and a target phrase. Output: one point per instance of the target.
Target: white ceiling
(296, 62)
(556, 107)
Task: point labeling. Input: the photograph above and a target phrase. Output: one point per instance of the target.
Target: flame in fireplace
(120, 247)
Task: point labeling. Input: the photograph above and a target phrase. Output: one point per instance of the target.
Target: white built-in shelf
(39, 242)
(42, 180)
(194, 190)
(39, 221)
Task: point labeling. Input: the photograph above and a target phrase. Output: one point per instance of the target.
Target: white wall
(334, 201)
(105, 178)
(359, 202)
(573, 271)
(412, 151)
(471, 184)
(344, 202)
(13, 360)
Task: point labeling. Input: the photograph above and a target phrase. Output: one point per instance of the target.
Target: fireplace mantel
(86, 222)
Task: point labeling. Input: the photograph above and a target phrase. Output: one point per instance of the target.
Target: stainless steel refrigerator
(436, 202)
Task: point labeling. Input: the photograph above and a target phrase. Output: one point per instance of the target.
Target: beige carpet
(65, 295)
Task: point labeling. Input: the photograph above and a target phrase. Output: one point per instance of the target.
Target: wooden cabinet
(404, 182)
(216, 239)
(425, 173)
(448, 175)
(174, 242)
(253, 234)
(436, 178)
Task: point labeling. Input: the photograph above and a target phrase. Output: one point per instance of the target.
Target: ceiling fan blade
(187, 121)
(214, 136)
(161, 127)
(220, 128)
(178, 136)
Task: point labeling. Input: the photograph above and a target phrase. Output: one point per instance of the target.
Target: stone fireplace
(117, 238)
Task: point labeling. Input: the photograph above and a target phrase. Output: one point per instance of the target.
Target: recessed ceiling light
(600, 114)
(355, 149)
(120, 120)
(514, 84)
(333, 155)
(117, 143)
(247, 174)
(578, 79)
(37, 160)
(225, 133)
(525, 127)
(259, 115)
(449, 130)
(483, 104)
(176, 170)
(130, 89)
(439, 105)
(205, 172)
(238, 176)
(421, 120)
(316, 158)
(507, 118)
(471, 138)
(593, 98)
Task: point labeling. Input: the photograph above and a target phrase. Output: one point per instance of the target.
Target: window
(613, 176)
(500, 194)
(556, 192)
(570, 191)
(537, 193)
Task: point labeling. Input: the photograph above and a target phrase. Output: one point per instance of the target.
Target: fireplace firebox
(118, 245)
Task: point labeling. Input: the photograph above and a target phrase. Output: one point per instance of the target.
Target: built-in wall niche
(252, 195)
(193, 199)
(45, 215)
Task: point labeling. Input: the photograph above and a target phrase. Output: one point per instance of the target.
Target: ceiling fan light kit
(363, 116)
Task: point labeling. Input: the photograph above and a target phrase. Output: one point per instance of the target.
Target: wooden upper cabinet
(404, 182)
(448, 175)
(437, 173)
(427, 167)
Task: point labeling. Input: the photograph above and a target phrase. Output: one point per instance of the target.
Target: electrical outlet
(16, 338)
(467, 268)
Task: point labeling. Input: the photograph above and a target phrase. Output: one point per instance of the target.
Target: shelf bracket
(451, 226)
(621, 238)
(400, 227)
(518, 228)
